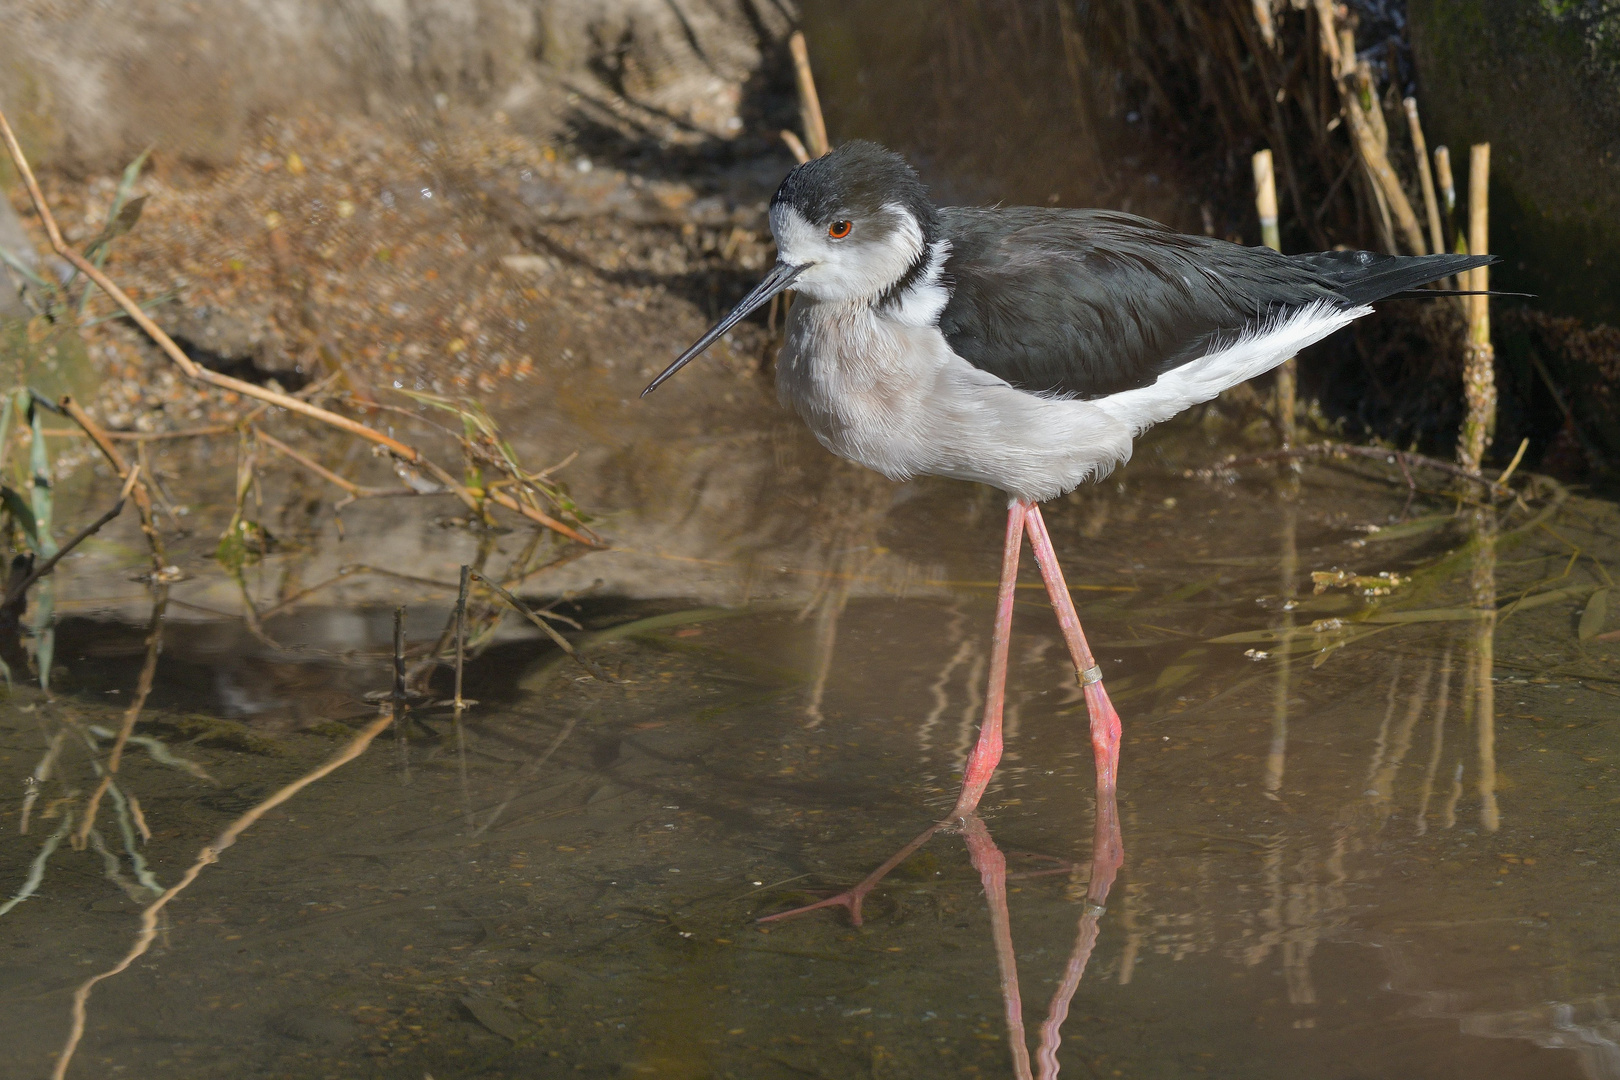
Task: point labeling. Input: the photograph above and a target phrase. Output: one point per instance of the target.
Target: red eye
(839, 229)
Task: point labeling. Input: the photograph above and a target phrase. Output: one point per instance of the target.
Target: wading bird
(1024, 348)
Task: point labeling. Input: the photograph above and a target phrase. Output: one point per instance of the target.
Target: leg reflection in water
(1107, 855)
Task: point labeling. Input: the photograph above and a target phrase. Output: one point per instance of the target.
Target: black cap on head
(854, 181)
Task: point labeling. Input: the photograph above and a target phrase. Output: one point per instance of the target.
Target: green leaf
(126, 219)
(1597, 611)
(21, 513)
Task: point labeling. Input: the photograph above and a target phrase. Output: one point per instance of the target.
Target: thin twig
(795, 146)
(356, 491)
(561, 642)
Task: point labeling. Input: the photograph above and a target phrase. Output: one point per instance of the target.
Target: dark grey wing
(1088, 303)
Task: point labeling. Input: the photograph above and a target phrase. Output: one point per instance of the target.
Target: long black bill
(780, 277)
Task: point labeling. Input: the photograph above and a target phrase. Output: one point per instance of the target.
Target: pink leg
(986, 755)
(992, 867)
(1107, 855)
(981, 763)
(1104, 720)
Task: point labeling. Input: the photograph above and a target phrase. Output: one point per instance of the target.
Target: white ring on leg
(1091, 675)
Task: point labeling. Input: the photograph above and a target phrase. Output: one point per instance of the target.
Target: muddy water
(1358, 843)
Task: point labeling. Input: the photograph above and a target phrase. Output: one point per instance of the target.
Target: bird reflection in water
(1107, 856)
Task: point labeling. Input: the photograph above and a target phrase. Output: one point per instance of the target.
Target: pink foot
(853, 898)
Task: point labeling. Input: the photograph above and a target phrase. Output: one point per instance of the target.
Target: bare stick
(1479, 363)
(144, 436)
(461, 634)
(815, 127)
(398, 696)
(1367, 130)
(207, 856)
(201, 374)
(1420, 149)
(1265, 200)
(560, 641)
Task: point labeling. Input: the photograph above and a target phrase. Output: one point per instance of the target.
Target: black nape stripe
(915, 275)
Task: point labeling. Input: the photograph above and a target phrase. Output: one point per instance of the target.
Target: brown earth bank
(536, 204)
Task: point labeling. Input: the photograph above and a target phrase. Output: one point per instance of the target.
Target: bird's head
(849, 226)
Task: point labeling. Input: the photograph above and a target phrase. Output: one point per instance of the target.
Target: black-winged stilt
(1025, 348)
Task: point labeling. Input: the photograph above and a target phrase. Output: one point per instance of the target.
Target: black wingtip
(1430, 294)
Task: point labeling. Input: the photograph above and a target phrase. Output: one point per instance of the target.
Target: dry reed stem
(1367, 130)
(208, 855)
(815, 126)
(1329, 36)
(1265, 199)
(1448, 186)
(1263, 19)
(795, 146)
(1420, 150)
(201, 374)
(1265, 203)
(1479, 356)
(1382, 172)
(144, 436)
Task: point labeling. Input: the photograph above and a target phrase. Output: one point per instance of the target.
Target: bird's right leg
(1105, 730)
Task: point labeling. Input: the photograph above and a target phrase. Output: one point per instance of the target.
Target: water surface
(1354, 848)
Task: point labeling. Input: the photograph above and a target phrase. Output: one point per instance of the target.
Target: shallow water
(1355, 865)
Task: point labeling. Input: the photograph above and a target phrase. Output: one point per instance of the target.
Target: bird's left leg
(986, 755)
(1104, 720)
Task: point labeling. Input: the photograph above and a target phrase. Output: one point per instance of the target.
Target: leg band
(1091, 675)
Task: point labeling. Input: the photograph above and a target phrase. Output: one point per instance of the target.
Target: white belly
(895, 398)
